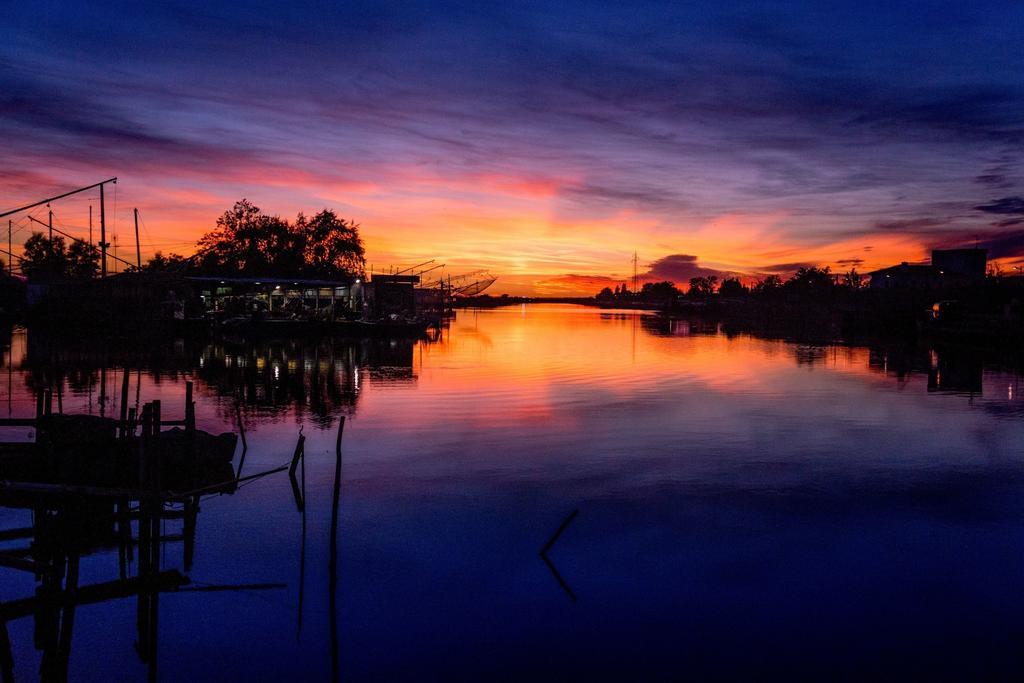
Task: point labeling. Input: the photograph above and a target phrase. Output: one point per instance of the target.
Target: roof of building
(907, 269)
(296, 281)
(395, 279)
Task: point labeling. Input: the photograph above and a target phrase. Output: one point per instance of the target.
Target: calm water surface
(747, 508)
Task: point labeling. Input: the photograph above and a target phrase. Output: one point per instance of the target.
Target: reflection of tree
(322, 377)
(809, 354)
(318, 376)
(83, 365)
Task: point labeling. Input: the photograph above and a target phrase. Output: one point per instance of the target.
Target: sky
(546, 142)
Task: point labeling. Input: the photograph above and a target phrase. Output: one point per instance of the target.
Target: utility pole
(103, 236)
(635, 259)
(138, 249)
(50, 224)
(90, 224)
(10, 246)
(47, 201)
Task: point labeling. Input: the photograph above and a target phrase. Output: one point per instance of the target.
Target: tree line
(812, 281)
(244, 242)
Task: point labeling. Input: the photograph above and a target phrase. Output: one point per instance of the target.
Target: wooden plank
(169, 580)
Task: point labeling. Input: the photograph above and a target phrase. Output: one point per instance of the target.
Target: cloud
(1004, 205)
(783, 268)
(1005, 245)
(993, 179)
(572, 284)
(679, 268)
(636, 196)
(664, 114)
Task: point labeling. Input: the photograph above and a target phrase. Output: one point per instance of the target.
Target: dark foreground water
(747, 508)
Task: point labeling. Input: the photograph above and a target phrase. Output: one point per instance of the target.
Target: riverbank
(989, 315)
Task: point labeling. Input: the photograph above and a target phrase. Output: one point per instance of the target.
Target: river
(747, 508)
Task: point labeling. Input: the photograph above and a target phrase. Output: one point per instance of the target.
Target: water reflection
(320, 377)
(800, 504)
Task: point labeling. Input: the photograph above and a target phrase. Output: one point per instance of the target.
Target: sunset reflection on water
(802, 504)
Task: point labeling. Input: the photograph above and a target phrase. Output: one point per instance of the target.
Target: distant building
(949, 267)
(388, 295)
(964, 263)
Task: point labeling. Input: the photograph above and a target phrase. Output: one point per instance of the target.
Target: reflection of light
(308, 365)
(261, 363)
(227, 361)
(1009, 392)
(355, 376)
(292, 365)
(935, 360)
(202, 361)
(277, 371)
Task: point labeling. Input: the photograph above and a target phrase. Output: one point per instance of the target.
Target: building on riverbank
(387, 295)
(279, 296)
(948, 268)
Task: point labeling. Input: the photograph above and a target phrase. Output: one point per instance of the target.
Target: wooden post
(332, 563)
(103, 389)
(124, 403)
(241, 432)
(50, 224)
(299, 452)
(190, 409)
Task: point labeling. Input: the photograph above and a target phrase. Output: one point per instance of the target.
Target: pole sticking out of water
(558, 532)
(333, 562)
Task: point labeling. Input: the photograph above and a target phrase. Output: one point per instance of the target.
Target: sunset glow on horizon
(546, 145)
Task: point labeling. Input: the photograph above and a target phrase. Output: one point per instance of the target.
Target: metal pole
(49, 223)
(138, 249)
(103, 236)
(90, 224)
(5, 214)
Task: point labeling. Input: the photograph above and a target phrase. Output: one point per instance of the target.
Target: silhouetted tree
(606, 294)
(659, 291)
(169, 263)
(702, 286)
(731, 287)
(50, 259)
(44, 258)
(83, 261)
(246, 241)
(854, 280)
(330, 245)
(769, 285)
(811, 281)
